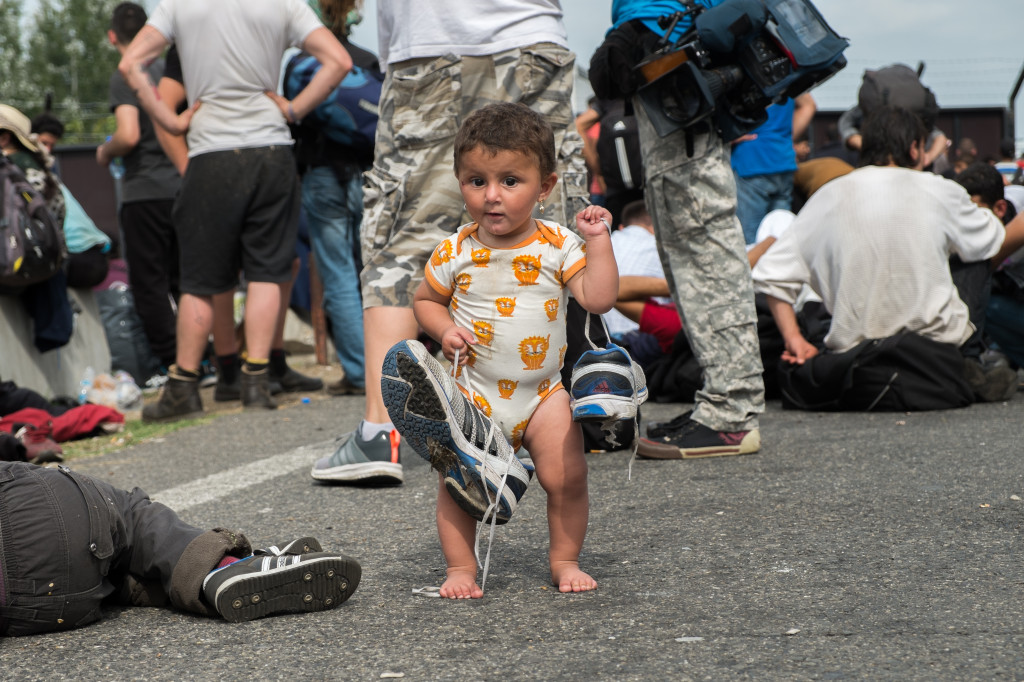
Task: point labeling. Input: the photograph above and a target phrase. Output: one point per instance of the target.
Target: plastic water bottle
(116, 166)
(128, 395)
(85, 385)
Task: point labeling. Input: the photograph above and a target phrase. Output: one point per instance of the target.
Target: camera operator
(691, 194)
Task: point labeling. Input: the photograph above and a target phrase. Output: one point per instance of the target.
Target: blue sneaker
(363, 461)
(479, 465)
(606, 385)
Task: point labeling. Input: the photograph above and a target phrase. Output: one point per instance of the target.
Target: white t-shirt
(875, 245)
(636, 255)
(413, 28)
(230, 55)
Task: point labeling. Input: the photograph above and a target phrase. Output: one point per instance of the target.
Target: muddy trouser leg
(692, 200)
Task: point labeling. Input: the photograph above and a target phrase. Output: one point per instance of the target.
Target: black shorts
(237, 210)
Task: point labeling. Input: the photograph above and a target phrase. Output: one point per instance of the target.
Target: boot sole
(316, 584)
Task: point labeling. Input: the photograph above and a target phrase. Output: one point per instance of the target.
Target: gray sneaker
(358, 460)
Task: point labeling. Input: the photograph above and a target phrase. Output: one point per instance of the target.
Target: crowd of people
(476, 229)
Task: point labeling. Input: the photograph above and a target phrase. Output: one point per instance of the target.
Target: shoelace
(492, 507)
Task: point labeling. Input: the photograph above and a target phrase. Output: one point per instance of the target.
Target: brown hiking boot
(179, 399)
(256, 389)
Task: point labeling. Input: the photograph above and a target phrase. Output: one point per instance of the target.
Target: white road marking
(224, 483)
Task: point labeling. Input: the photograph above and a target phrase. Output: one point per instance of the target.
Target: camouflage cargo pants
(411, 198)
(693, 203)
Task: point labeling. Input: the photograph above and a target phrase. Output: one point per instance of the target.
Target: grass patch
(135, 432)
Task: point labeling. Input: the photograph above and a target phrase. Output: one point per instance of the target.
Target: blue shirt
(650, 10)
(772, 151)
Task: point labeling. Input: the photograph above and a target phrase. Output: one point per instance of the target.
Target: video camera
(739, 57)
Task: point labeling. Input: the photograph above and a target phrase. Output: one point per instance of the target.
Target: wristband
(291, 114)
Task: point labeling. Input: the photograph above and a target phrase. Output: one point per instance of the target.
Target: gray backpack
(32, 247)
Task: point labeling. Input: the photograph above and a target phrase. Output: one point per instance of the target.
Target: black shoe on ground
(262, 585)
(291, 381)
(227, 390)
(179, 399)
(256, 389)
(693, 440)
(345, 387)
(658, 429)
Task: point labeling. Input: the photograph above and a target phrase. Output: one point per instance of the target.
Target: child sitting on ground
(495, 295)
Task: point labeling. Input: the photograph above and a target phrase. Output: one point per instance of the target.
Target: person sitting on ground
(140, 553)
(87, 260)
(637, 312)
(1004, 309)
(874, 245)
(495, 296)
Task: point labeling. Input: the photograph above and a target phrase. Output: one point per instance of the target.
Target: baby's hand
(457, 338)
(593, 221)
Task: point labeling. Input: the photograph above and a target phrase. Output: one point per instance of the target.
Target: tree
(13, 88)
(69, 56)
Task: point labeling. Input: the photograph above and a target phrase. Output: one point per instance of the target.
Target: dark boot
(287, 380)
(178, 399)
(256, 389)
(229, 385)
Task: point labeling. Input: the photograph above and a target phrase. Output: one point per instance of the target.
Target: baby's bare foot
(461, 585)
(570, 578)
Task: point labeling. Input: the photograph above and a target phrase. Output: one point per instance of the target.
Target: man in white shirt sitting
(875, 246)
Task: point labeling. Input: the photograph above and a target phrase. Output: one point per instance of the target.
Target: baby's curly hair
(507, 126)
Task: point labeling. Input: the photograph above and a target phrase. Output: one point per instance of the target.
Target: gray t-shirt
(148, 173)
(231, 54)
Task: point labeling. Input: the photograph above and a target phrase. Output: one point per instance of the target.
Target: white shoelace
(492, 507)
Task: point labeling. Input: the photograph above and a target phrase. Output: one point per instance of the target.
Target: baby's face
(500, 191)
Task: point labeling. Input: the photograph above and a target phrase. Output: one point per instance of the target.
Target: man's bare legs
(383, 327)
(195, 320)
(262, 305)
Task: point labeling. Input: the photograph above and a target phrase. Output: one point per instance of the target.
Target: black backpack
(32, 247)
(897, 86)
(618, 148)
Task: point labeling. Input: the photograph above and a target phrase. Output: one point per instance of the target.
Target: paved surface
(882, 546)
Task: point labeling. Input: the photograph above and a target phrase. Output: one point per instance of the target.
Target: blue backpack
(349, 114)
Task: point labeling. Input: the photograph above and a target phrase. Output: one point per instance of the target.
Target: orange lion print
(462, 281)
(517, 434)
(506, 387)
(454, 305)
(526, 268)
(481, 402)
(551, 308)
(561, 354)
(506, 305)
(442, 254)
(543, 387)
(481, 257)
(533, 350)
(484, 332)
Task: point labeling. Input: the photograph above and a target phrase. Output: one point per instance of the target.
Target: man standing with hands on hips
(239, 202)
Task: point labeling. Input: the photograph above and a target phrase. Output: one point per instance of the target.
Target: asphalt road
(880, 546)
